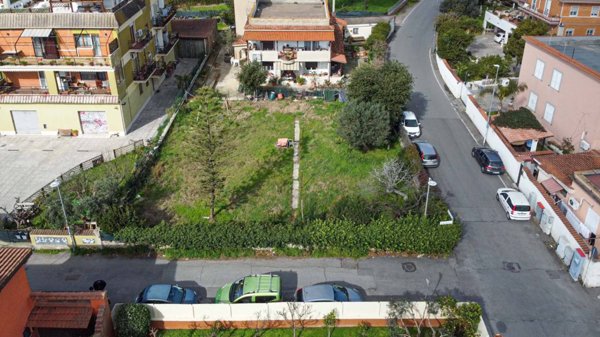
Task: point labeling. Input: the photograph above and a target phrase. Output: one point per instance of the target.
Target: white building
(290, 39)
(358, 29)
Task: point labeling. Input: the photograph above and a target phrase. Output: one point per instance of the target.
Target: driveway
(28, 163)
(484, 45)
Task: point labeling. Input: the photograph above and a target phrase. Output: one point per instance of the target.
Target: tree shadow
(417, 104)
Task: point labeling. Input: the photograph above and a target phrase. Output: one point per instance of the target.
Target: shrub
(450, 20)
(452, 45)
(484, 68)
(364, 125)
(461, 7)
(251, 77)
(133, 320)
(518, 119)
(379, 33)
(300, 80)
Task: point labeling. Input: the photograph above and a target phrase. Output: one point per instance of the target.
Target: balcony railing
(84, 90)
(8, 89)
(166, 49)
(288, 54)
(163, 16)
(551, 20)
(67, 61)
(140, 43)
(145, 72)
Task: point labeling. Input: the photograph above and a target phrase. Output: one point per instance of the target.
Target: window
(569, 32)
(532, 101)
(88, 76)
(101, 76)
(307, 45)
(556, 78)
(83, 40)
(574, 11)
(265, 299)
(119, 73)
(549, 113)
(539, 69)
(316, 45)
(354, 30)
(311, 65)
(268, 45)
(590, 32)
(43, 83)
(595, 11)
(268, 65)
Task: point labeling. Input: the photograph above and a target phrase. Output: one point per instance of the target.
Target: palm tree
(504, 92)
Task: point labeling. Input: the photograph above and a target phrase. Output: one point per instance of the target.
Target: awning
(59, 315)
(38, 32)
(552, 186)
(10, 52)
(290, 66)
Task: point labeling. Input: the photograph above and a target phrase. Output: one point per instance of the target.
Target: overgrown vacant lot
(258, 184)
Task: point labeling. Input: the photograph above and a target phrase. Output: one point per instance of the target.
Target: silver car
(328, 293)
(428, 154)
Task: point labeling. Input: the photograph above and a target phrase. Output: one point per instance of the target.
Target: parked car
(251, 289)
(489, 160)
(428, 154)
(411, 124)
(328, 293)
(167, 293)
(515, 204)
(499, 37)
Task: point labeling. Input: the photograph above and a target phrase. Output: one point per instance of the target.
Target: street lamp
(56, 184)
(430, 183)
(489, 112)
(463, 85)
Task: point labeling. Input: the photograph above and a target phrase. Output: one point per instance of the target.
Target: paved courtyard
(27, 163)
(484, 45)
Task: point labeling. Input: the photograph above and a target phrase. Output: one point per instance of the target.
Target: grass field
(258, 175)
(375, 6)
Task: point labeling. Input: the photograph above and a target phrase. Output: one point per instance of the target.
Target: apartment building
(563, 81)
(565, 17)
(87, 66)
(291, 38)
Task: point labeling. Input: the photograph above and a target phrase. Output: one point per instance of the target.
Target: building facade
(290, 39)
(565, 17)
(85, 66)
(562, 76)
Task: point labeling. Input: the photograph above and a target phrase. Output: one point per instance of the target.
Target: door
(93, 122)
(96, 45)
(592, 219)
(547, 7)
(50, 48)
(26, 122)
(38, 46)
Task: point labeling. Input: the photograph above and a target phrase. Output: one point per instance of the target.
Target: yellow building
(85, 66)
(565, 17)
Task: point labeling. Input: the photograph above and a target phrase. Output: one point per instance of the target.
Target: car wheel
(508, 216)
(497, 197)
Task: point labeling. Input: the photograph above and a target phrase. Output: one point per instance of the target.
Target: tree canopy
(364, 125)
(452, 45)
(252, 76)
(516, 45)
(461, 7)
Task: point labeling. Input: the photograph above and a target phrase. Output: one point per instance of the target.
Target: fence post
(114, 153)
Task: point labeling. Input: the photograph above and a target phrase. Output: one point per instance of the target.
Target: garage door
(26, 122)
(93, 122)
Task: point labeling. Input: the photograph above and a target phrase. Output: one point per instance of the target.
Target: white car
(515, 204)
(499, 37)
(411, 124)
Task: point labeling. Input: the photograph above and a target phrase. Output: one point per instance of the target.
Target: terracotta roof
(59, 99)
(48, 232)
(11, 259)
(327, 28)
(289, 35)
(63, 315)
(519, 136)
(58, 20)
(562, 166)
(343, 23)
(194, 28)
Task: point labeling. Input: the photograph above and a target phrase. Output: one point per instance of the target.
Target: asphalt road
(503, 265)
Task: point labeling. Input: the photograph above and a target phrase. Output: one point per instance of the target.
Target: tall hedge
(411, 234)
(133, 320)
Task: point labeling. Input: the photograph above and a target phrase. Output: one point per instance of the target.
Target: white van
(411, 124)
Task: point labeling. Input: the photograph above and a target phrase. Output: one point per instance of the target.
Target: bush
(484, 68)
(300, 80)
(518, 119)
(410, 234)
(133, 320)
(450, 20)
(452, 45)
(379, 33)
(461, 7)
(251, 77)
(364, 125)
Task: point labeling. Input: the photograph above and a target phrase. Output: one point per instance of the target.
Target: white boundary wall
(551, 223)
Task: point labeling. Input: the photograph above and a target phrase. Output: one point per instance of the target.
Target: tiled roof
(562, 166)
(519, 136)
(11, 259)
(328, 28)
(58, 20)
(60, 315)
(194, 28)
(289, 36)
(59, 99)
(48, 232)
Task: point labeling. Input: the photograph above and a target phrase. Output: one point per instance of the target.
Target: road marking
(444, 91)
(409, 13)
(502, 181)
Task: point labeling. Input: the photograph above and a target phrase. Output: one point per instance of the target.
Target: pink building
(563, 79)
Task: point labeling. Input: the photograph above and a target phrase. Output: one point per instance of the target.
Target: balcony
(85, 90)
(11, 89)
(20, 61)
(551, 20)
(142, 75)
(163, 16)
(141, 42)
(163, 51)
(288, 54)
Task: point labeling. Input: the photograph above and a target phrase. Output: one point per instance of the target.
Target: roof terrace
(274, 9)
(584, 49)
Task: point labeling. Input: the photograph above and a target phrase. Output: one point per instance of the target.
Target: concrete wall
(201, 316)
(575, 115)
(504, 25)
(242, 10)
(15, 304)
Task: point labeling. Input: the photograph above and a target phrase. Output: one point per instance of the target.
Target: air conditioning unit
(573, 203)
(585, 146)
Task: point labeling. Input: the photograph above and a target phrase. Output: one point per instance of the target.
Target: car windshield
(176, 295)
(236, 291)
(496, 163)
(522, 208)
(411, 123)
(340, 294)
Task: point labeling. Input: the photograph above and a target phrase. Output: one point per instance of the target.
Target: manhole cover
(512, 267)
(409, 267)
(553, 274)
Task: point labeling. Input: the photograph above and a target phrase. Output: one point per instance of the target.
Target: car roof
(425, 147)
(157, 292)
(491, 154)
(318, 293)
(264, 283)
(516, 197)
(409, 114)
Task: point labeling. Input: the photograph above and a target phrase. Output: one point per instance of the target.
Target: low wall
(553, 222)
(396, 7)
(203, 316)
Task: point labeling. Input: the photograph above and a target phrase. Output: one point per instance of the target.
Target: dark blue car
(167, 293)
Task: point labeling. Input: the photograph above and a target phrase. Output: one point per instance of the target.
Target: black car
(489, 160)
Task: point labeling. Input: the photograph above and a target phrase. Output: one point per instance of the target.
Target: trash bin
(272, 95)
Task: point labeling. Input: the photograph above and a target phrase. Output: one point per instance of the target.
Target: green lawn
(375, 6)
(258, 176)
(207, 8)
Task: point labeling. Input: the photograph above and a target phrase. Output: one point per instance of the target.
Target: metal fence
(86, 165)
(328, 94)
